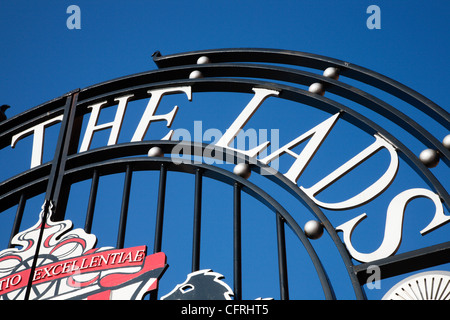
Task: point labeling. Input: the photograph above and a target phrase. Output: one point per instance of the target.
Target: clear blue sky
(42, 59)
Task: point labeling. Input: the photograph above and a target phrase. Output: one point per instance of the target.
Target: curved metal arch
(297, 95)
(31, 117)
(140, 164)
(31, 183)
(258, 55)
(287, 75)
(333, 86)
(271, 72)
(132, 79)
(311, 61)
(106, 154)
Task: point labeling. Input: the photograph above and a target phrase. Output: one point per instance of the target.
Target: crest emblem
(69, 267)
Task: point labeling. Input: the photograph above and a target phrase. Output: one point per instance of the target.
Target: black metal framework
(223, 74)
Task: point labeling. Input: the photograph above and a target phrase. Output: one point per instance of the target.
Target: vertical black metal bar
(197, 221)
(18, 218)
(282, 264)
(160, 209)
(91, 203)
(38, 245)
(159, 218)
(124, 209)
(55, 177)
(57, 191)
(237, 270)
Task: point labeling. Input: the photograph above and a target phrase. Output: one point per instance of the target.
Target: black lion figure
(201, 285)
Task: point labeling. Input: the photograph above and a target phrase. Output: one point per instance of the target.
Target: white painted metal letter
(367, 194)
(114, 125)
(394, 224)
(317, 135)
(38, 132)
(239, 123)
(149, 113)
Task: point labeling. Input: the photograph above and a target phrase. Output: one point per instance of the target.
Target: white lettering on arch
(367, 194)
(394, 224)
